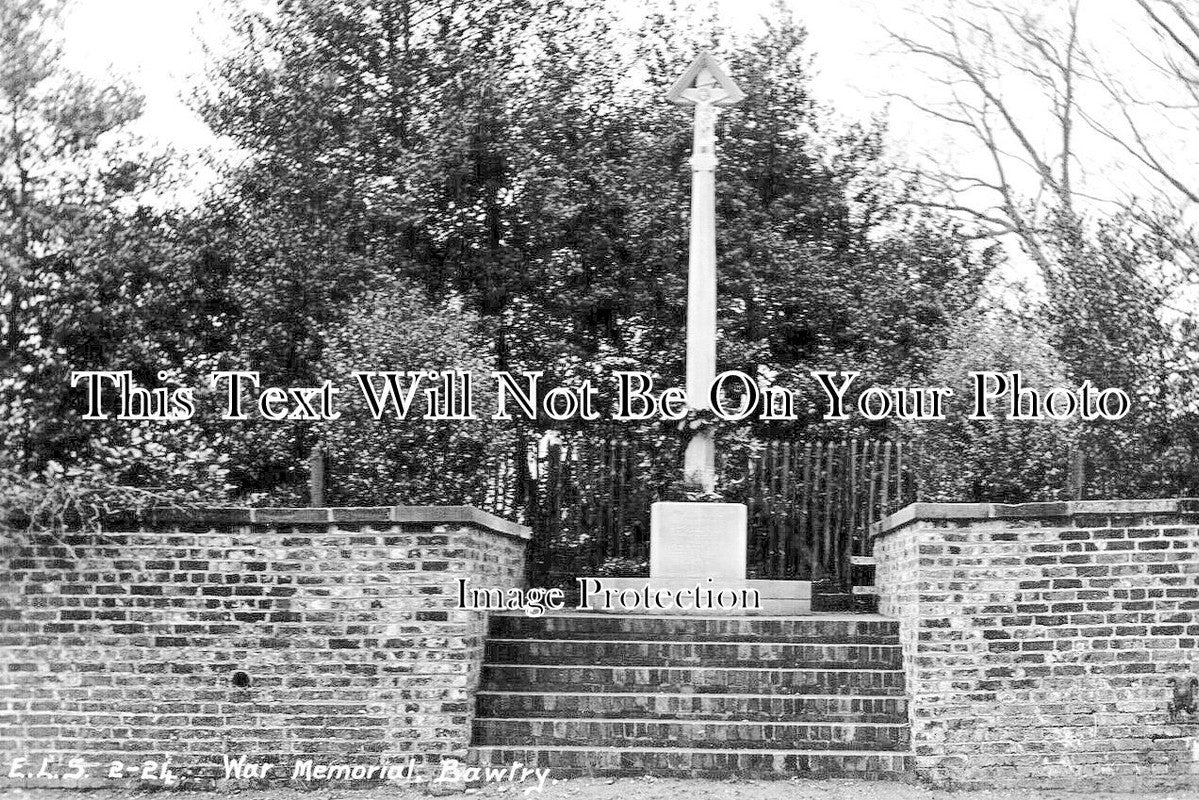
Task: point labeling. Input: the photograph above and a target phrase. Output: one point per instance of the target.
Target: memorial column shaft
(699, 460)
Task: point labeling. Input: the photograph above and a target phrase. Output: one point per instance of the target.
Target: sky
(158, 45)
(154, 45)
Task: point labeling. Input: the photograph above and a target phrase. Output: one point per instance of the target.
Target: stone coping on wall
(350, 515)
(1065, 508)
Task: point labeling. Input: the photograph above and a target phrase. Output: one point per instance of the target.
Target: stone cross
(705, 86)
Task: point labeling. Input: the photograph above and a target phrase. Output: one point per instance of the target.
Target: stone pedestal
(697, 566)
(705, 540)
(696, 562)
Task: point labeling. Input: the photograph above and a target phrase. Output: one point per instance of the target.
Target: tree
(370, 128)
(52, 121)
(526, 175)
(1000, 460)
(828, 263)
(1171, 102)
(1113, 279)
(989, 58)
(413, 460)
(81, 280)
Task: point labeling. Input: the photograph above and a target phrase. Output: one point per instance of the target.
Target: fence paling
(836, 490)
(808, 498)
(809, 504)
(854, 544)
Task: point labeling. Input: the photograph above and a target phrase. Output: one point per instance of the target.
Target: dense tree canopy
(496, 185)
(85, 272)
(538, 176)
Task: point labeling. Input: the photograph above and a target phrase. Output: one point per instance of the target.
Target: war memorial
(980, 645)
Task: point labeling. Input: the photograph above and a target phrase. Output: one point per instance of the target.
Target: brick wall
(126, 646)
(1039, 640)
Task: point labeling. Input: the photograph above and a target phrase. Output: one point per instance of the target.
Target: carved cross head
(705, 82)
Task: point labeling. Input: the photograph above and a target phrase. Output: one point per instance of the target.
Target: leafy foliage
(1000, 460)
(87, 276)
(1111, 304)
(536, 176)
(416, 193)
(41, 506)
(378, 462)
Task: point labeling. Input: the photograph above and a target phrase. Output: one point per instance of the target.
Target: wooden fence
(588, 504)
(810, 505)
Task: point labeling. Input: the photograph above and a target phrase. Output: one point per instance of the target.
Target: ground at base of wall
(618, 789)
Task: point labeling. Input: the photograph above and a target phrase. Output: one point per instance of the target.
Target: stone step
(656, 705)
(819, 695)
(816, 628)
(685, 653)
(743, 597)
(761, 764)
(699, 679)
(696, 734)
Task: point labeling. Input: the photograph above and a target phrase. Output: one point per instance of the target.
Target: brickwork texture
(1040, 639)
(132, 645)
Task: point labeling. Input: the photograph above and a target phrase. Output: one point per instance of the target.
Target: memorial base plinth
(689, 539)
(697, 566)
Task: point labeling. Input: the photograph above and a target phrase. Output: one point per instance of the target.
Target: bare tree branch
(1178, 30)
(977, 51)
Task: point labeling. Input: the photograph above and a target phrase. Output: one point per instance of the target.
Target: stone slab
(217, 517)
(704, 539)
(775, 598)
(1063, 508)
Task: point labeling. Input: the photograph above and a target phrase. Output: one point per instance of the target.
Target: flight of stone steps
(715, 697)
